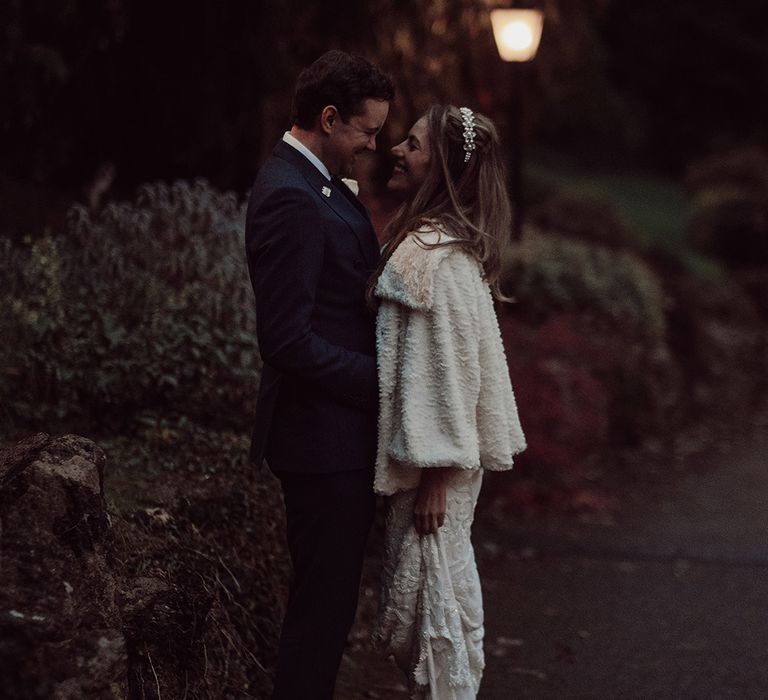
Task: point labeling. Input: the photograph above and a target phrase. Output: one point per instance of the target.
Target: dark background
(178, 89)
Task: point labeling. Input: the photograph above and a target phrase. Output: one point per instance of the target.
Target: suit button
(359, 263)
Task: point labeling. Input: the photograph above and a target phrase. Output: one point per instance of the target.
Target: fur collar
(409, 275)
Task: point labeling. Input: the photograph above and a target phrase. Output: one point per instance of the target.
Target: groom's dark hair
(339, 79)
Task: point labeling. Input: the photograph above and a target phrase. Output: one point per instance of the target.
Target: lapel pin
(326, 191)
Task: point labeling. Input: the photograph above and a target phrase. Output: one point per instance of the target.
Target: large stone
(60, 626)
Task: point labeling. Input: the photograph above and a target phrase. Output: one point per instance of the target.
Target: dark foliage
(146, 306)
(202, 559)
(181, 89)
(695, 68)
(729, 196)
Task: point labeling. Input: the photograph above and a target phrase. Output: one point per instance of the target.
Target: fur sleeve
(446, 399)
(435, 362)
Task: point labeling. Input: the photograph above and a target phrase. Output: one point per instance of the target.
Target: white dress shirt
(311, 157)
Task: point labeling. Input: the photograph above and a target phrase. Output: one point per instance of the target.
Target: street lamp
(517, 33)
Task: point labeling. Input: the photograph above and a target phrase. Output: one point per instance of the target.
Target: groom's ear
(328, 118)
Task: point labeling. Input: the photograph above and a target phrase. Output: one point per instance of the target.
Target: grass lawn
(654, 207)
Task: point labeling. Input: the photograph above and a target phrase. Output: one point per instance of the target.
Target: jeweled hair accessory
(468, 120)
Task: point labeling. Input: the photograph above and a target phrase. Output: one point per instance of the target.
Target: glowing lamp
(517, 33)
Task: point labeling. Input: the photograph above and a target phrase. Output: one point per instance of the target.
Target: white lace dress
(445, 401)
(431, 617)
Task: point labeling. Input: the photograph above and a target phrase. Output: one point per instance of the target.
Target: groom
(311, 249)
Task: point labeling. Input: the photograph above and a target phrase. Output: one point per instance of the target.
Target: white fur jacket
(445, 398)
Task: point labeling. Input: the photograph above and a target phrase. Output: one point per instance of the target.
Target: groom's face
(349, 139)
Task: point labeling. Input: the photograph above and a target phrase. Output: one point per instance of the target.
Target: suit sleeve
(285, 248)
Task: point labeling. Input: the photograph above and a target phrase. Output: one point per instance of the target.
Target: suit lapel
(338, 197)
(356, 217)
(351, 196)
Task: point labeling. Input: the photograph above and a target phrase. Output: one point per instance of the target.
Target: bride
(447, 411)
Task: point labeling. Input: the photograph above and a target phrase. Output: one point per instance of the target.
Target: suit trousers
(328, 519)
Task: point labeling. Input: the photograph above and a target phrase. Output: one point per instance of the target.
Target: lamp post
(517, 33)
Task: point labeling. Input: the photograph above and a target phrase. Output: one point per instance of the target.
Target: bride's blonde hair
(468, 199)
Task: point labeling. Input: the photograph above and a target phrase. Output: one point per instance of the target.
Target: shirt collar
(311, 157)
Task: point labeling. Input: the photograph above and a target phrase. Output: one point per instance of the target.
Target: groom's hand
(429, 508)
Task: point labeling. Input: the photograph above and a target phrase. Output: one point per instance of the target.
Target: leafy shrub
(587, 348)
(201, 535)
(586, 218)
(552, 274)
(145, 305)
(580, 390)
(729, 199)
(717, 333)
(563, 406)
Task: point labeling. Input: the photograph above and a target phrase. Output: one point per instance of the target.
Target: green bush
(551, 274)
(587, 218)
(729, 200)
(146, 305)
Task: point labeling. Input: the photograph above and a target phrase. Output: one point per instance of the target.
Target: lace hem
(431, 615)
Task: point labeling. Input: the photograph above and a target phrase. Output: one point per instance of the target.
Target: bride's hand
(429, 508)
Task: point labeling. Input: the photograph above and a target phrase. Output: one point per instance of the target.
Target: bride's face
(412, 158)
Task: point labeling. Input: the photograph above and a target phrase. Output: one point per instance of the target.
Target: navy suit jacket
(311, 249)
